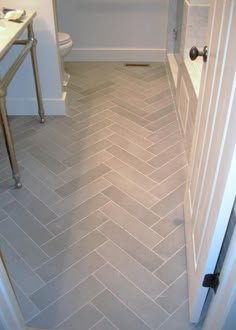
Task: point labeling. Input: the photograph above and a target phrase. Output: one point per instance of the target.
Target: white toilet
(65, 45)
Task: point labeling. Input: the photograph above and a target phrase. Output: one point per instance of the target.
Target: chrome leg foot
(18, 184)
(42, 120)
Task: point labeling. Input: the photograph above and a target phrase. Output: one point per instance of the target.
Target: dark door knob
(194, 53)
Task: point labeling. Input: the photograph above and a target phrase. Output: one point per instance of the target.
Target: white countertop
(10, 31)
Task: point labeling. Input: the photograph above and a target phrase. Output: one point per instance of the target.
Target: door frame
(220, 309)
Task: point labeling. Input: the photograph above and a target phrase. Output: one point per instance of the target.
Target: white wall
(21, 93)
(115, 29)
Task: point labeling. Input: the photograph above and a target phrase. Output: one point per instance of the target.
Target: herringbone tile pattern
(95, 238)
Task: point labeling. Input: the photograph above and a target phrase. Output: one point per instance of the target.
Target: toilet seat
(63, 38)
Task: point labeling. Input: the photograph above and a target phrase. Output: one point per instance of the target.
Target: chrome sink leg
(8, 139)
(36, 73)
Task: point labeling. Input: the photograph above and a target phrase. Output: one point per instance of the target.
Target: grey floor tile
(51, 147)
(67, 280)
(85, 166)
(26, 248)
(173, 268)
(67, 258)
(104, 324)
(57, 136)
(85, 318)
(166, 143)
(90, 112)
(130, 147)
(175, 295)
(143, 306)
(179, 320)
(170, 184)
(51, 163)
(130, 188)
(169, 223)
(170, 202)
(3, 214)
(171, 243)
(77, 214)
(161, 112)
(128, 105)
(129, 110)
(19, 270)
(79, 182)
(159, 103)
(34, 205)
(164, 132)
(85, 132)
(28, 223)
(131, 126)
(28, 309)
(42, 173)
(93, 119)
(118, 313)
(74, 234)
(136, 228)
(131, 206)
(39, 189)
(80, 196)
(169, 168)
(131, 160)
(5, 198)
(131, 174)
(129, 115)
(134, 271)
(129, 135)
(131, 246)
(167, 155)
(89, 140)
(164, 121)
(88, 152)
(67, 305)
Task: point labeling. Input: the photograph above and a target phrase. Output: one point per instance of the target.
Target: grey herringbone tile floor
(95, 238)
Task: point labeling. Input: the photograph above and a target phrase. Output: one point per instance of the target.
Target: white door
(211, 186)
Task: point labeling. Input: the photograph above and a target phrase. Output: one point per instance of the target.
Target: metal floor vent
(137, 64)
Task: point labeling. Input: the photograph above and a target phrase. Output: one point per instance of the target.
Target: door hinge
(211, 281)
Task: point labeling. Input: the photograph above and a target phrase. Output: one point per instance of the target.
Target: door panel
(211, 186)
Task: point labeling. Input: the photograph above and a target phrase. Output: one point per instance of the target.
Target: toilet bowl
(65, 44)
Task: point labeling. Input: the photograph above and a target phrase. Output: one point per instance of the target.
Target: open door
(211, 187)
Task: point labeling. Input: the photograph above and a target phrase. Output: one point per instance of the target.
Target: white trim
(117, 54)
(10, 314)
(29, 107)
(222, 304)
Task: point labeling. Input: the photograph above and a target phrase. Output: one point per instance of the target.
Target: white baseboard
(117, 54)
(29, 107)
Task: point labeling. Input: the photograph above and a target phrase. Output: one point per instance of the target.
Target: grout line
(132, 168)
(123, 303)
(77, 191)
(174, 313)
(149, 249)
(163, 218)
(41, 311)
(9, 217)
(21, 258)
(133, 283)
(149, 228)
(134, 184)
